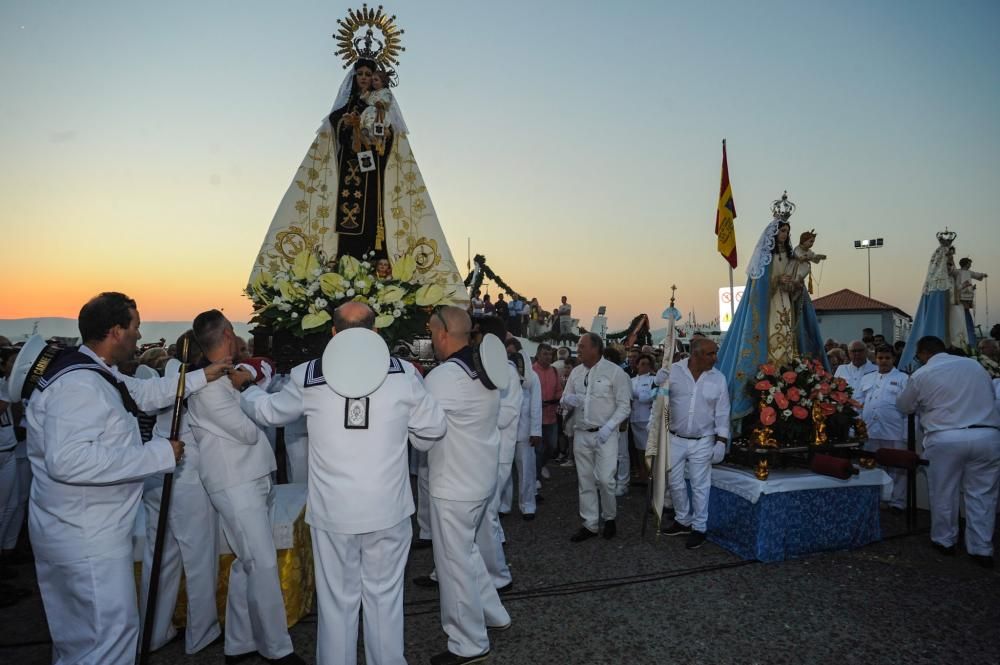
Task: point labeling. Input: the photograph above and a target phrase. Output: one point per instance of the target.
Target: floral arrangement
(786, 399)
(991, 366)
(302, 298)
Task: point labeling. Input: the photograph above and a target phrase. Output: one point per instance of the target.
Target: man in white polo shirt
(858, 366)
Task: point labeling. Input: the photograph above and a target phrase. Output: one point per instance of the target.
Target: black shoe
(947, 550)
(675, 529)
(539, 498)
(291, 659)
(695, 540)
(609, 529)
(426, 582)
(421, 544)
(527, 517)
(448, 658)
(583, 534)
(503, 515)
(239, 658)
(983, 560)
(506, 588)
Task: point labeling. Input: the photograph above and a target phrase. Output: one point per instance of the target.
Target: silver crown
(946, 237)
(782, 208)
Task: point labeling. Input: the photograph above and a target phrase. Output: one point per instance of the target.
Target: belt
(591, 429)
(689, 438)
(983, 427)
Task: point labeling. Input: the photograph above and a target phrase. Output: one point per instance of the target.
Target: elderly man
(699, 416)
(88, 462)
(360, 553)
(886, 424)
(858, 366)
(236, 466)
(601, 394)
(463, 470)
(954, 398)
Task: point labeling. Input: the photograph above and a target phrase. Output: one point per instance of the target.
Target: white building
(844, 314)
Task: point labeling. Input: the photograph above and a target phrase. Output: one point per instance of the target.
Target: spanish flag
(726, 215)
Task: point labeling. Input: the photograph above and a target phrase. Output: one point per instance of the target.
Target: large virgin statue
(358, 191)
(775, 322)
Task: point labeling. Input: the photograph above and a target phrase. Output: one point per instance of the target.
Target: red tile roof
(846, 300)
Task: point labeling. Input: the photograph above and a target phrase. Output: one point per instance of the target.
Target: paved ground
(638, 601)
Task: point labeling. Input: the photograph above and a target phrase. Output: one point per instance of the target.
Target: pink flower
(768, 416)
(769, 370)
(839, 396)
(855, 403)
(800, 412)
(841, 383)
(824, 388)
(789, 376)
(827, 408)
(762, 385)
(794, 394)
(781, 400)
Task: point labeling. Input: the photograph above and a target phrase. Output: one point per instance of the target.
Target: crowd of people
(77, 452)
(524, 317)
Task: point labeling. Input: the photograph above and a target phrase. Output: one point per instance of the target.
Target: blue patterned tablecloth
(787, 525)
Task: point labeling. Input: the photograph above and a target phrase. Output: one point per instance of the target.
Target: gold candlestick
(761, 472)
(819, 423)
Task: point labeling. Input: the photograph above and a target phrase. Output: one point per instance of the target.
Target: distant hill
(20, 329)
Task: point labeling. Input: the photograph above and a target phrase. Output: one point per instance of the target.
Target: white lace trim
(938, 277)
(763, 252)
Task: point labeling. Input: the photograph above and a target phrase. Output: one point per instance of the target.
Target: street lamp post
(873, 243)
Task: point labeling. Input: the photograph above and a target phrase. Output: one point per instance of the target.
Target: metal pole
(869, 271)
(732, 298)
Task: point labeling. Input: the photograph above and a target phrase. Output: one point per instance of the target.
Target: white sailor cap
(355, 362)
(32, 361)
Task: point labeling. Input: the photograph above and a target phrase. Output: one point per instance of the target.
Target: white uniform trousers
(624, 472)
(91, 611)
(423, 497)
(694, 455)
(19, 504)
(469, 600)
(365, 570)
(189, 546)
(524, 464)
(297, 451)
(490, 536)
(8, 491)
(898, 476)
(966, 461)
(255, 608)
(595, 472)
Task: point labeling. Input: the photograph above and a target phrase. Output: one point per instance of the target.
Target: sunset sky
(145, 146)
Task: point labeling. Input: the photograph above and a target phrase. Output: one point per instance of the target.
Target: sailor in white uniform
(88, 462)
(359, 502)
(189, 545)
(529, 435)
(236, 466)
(886, 424)
(463, 475)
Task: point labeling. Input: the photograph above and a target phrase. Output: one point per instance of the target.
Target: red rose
(767, 416)
(827, 408)
(800, 412)
(841, 383)
(763, 385)
(769, 370)
(824, 388)
(794, 394)
(855, 403)
(839, 396)
(789, 376)
(781, 400)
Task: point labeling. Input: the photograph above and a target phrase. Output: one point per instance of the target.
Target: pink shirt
(551, 390)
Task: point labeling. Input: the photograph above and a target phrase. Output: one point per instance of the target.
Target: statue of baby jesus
(804, 257)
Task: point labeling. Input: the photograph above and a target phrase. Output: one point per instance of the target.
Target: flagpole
(732, 297)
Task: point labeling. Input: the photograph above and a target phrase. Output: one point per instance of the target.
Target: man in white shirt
(236, 466)
(699, 416)
(886, 424)
(463, 474)
(89, 462)
(360, 501)
(858, 366)
(954, 398)
(565, 317)
(601, 394)
(529, 436)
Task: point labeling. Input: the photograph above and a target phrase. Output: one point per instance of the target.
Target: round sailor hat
(32, 361)
(146, 372)
(172, 368)
(491, 362)
(355, 362)
(718, 452)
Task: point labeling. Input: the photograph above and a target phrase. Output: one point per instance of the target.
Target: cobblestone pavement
(634, 600)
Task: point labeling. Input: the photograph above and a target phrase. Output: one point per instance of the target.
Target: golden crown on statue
(946, 237)
(782, 208)
(367, 46)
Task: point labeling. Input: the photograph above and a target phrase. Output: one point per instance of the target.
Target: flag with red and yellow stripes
(725, 215)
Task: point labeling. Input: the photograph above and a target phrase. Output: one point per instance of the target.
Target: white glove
(605, 433)
(661, 377)
(572, 399)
